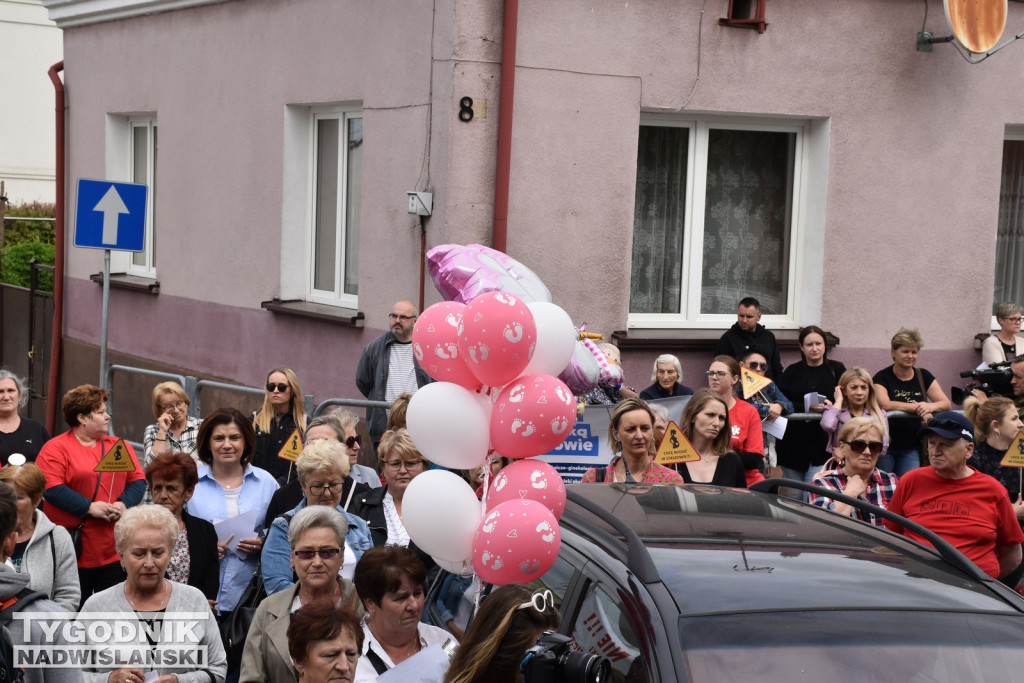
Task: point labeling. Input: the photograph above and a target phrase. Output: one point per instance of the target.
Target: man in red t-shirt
(967, 508)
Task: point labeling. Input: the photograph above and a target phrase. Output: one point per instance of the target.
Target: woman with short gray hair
(17, 434)
(316, 537)
(1007, 343)
(667, 376)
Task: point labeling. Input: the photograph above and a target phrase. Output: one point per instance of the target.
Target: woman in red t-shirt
(747, 438)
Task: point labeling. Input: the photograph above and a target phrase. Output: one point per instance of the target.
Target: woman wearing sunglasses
(509, 622)
(280, 416)
(322, 470)
(854, 472)
(316, 538)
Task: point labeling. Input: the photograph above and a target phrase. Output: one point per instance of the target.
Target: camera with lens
(994, 381)
(553, 659)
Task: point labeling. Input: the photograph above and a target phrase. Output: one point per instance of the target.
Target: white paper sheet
(812, 399)
(426, 666)
(242, 526)
(776, 427)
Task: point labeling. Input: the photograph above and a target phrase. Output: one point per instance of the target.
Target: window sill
(132, 283)
(305, 309)
(668, 341)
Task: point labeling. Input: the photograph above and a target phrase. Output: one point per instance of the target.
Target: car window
(603, 627)
(556, 580)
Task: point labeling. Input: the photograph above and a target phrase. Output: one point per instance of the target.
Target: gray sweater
(186, 603)
(50, 542)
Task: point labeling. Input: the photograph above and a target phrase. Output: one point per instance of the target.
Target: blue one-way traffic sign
(110, 215)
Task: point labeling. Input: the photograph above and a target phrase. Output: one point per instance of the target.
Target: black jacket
(203, 564)
(736, 342)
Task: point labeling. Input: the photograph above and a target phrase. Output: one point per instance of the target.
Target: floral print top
(653, 474)
(177, 570)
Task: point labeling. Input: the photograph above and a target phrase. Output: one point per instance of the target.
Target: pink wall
(912, 164)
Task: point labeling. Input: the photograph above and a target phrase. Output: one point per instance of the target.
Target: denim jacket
(276, 559)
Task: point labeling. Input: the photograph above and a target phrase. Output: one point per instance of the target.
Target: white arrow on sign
(111, 206)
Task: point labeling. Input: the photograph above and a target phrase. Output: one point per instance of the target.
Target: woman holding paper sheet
(802, 450)
(903, 386)
(229, 486)
(996, 425)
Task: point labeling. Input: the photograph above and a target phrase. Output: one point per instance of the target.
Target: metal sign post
(108, 216)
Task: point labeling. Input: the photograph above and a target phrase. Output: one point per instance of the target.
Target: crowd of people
(323, 537)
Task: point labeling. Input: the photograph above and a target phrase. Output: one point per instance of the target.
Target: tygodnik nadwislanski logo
(107, 640)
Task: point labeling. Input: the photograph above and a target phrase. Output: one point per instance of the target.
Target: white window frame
(806, 255)
(299, 201)
(120, 154)
(1012, 133)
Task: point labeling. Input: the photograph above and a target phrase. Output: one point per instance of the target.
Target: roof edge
(70, 13)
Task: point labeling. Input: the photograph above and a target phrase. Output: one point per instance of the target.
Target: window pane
(747, 220)
(326, 205)
(353, 204)
(659, 220)
(1009, 280)
(140, 164)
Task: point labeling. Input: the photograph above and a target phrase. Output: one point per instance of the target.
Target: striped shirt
(401, 371)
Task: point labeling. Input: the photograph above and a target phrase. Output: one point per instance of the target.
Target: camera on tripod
(553, 660)
(994, 381)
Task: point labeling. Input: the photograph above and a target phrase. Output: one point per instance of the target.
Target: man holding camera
(1017, 382)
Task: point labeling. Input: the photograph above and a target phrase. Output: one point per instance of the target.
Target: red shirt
(972, 513)
(747, 436)
(65, 461)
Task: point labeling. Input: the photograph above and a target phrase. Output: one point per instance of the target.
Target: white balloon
(448, 425)
(460, 568)
(441, 513)
(556, 339)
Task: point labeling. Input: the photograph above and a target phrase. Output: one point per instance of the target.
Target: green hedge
(25, 240)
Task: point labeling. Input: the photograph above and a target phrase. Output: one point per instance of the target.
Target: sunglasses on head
(324, 553)
(540, 601)
(858, 446)
(280, 386)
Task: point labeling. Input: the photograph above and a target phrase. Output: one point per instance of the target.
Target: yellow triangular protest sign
(675, 447)
(1014, 456)
(292, 447)
(117, 459)
(752, 382)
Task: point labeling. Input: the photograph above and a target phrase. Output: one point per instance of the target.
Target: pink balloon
(532, 415)
(496, 337)
(435, 343)
(529, 480)
(462, 273)
(516, 542)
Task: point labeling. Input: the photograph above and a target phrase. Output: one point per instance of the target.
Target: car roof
(721, 550)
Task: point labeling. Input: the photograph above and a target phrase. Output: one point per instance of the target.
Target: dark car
(701, 583)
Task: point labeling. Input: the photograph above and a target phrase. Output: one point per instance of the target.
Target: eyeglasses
(177, 405)
(324, 553)
(352, 441)
(333, 487)
(403, 318)
(280, 386)
(540, 601)
(720, 374)
(1015, 319)
(754, 365)
(407, 464)
(858, 446)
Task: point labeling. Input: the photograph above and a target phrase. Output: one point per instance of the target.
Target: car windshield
(854, 647)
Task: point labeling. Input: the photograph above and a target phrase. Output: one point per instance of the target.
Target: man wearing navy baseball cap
(967, 508)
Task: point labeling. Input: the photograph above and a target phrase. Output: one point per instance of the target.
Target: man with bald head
(387, 367)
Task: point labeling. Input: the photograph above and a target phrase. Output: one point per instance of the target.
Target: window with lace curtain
(1009, 276)
(716, 219)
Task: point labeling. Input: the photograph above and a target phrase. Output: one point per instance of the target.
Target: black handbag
(234, 626)
(76, 533)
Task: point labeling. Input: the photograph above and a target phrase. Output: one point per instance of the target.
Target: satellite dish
(977, 24)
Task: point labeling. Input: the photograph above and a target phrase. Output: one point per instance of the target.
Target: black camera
(553, 660)
(995, 381)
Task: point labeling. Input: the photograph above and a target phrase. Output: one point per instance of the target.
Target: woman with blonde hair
(631, 434)
(509, 622)
(174, 431)
(854, 397)
(44, 550)
(280, 416)
(905, 387)
(852, 470)
(996, 425)
(705, 423)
